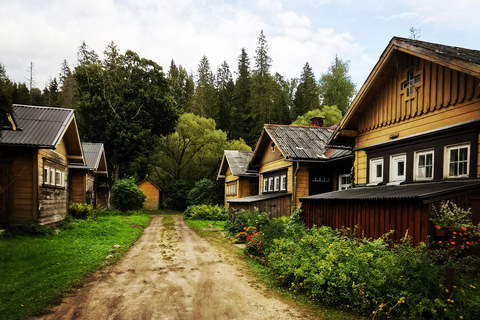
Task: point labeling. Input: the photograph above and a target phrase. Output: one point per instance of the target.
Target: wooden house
(239, 182)
(414, 129)
(36, 148)
(83, 179)
(153, 193)
(293, 162)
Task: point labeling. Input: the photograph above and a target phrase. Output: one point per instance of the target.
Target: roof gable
(44, 127)
(148, 180)
(237, 161)
(458, 59)
(294, 142)
(95, 159)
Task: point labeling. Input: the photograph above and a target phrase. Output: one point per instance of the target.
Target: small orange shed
(153, 193)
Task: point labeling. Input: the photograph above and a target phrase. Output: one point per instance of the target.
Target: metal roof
(260, 197)
(37, 126)
(92, 152)
(407, 191)
(238, 161)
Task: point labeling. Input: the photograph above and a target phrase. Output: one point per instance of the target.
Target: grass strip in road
(168, 223)
(37, 270)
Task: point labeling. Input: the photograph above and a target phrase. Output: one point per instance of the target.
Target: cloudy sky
(46, 32)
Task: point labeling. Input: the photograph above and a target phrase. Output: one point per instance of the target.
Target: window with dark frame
(410, 83)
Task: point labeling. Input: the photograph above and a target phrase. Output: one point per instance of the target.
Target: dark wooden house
(83, 179)
(414, 128)
(36, 148)
(293, 162)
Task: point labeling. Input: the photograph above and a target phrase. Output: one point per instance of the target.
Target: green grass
(36, 270)
(168, 223)
(203, 224)
(162, 212)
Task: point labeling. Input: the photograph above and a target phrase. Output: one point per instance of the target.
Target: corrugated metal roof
(407, 191)
(305, 143)
(37, 126)
(91, 153)
(260, 197)
(238, 162)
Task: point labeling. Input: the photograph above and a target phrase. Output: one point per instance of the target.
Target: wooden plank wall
(374, 218)
(77, 187)
(22, 198)
(52, 201)
(439, 87)
(277, 207)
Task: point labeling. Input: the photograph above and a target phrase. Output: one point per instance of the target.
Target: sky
(45, 32)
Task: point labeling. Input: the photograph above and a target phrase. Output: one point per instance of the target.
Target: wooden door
(3, 194)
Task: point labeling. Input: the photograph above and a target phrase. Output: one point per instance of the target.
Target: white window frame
(270, 184)
(341, 185)
(446, 168)
(277, 183)
(46, 175)
(394, 161)
(283, 182)
(265, 185)
(418, 154)
(373, 170)
(52, 176)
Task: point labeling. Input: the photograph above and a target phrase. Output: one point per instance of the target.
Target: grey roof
(407, 191)
(238, 161)
(92, 153)
(259, 197)
(40, 127)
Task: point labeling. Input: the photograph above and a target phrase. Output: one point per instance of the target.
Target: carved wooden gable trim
(416, 88)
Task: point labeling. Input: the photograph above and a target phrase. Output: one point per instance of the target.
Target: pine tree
(307, 94)
(225, 88)
(205, 93)
(242, 94)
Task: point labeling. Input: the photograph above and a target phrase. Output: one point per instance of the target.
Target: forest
(173, 125)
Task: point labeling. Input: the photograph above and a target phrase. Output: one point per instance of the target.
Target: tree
(6, 91)
(241, 95)
(182, 87)
(331, 114)
(225, 96)
(336, 87)
(192, 152)
(126, 196)
(205, 92)
(307, 94)
(282, 100)
(125, 102)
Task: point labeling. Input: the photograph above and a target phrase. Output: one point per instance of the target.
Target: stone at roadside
(116, 246)
(109, 257)
(112, 251)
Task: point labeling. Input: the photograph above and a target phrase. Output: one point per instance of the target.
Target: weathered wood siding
(23, 197)
(277, 207)
(302, 185)
(77, 182)
(153, 195)
(52, 200)
(443, 97)
(374, 218)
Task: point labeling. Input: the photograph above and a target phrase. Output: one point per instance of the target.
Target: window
(46, 175)
(398, 167)
(376, 170)
(410, 83)
(265, 184)
(343, 181)
(277, 183)
(456, 163)
(424, 165)
(270, 184)
(283, 184)
(52, 176)
(231, 189)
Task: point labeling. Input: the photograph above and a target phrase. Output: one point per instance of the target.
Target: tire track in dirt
(173, 274)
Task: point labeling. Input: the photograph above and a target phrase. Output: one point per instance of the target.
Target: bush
(205, 192)
(81, 211)
(247, 219)
(206, 212)
(176, 194)
(126, 196)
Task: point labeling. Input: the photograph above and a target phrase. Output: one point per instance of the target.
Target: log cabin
(293, 162)
(414, 129)
(36, 147)
(153, 192)
(83, 179)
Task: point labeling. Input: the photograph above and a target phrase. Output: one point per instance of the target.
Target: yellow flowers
(473, 287)
(451, 301)
(401, 300)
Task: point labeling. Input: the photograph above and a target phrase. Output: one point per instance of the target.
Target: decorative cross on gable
(410, 83)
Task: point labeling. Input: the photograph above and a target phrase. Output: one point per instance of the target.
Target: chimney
(316, 122)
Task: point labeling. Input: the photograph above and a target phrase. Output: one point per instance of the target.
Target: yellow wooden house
(293, 162)
(36, 147)
(414, 128)
(153, 194)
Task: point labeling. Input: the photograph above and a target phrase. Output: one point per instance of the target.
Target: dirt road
(174, 274)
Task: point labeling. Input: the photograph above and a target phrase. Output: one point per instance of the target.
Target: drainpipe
(295, 186)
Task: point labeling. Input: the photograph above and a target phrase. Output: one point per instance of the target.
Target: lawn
(36, 270)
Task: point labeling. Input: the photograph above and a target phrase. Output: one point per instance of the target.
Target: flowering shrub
(207, 212)
(449, 215)
(247, 219)
(242, 236)
(254, 243)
